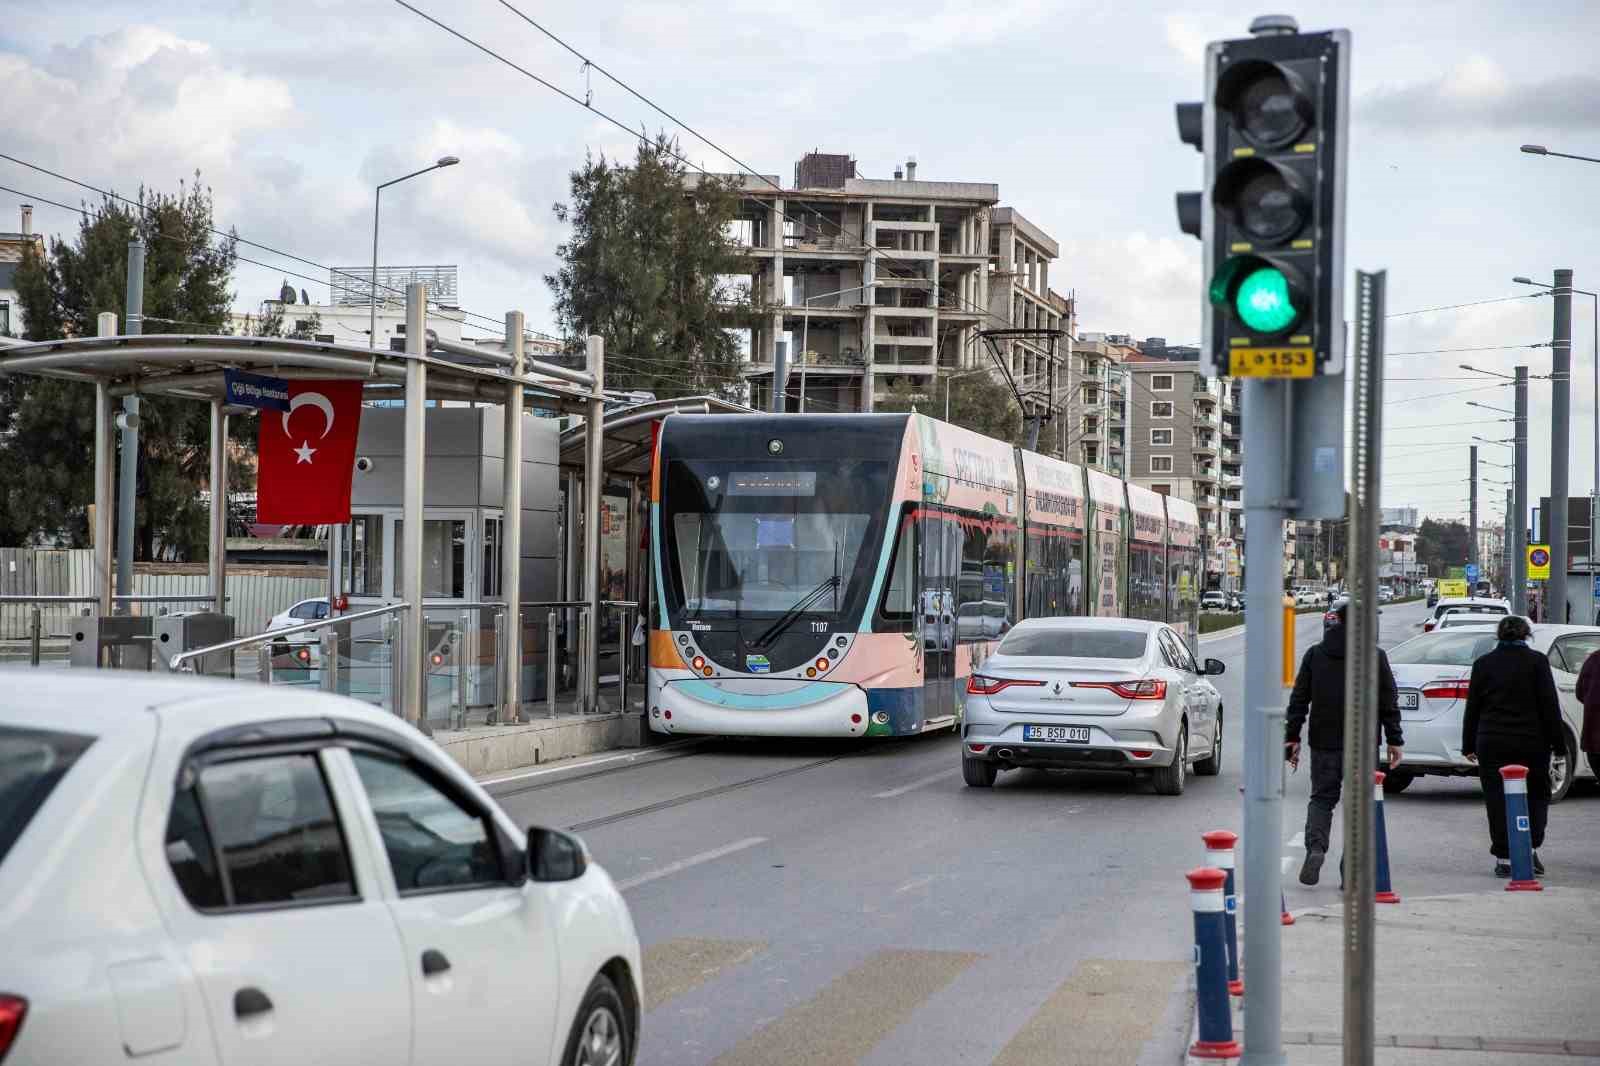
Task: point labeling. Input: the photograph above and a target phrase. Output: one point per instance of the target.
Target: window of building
(5, 318)
(1161, 490)
(1160, 408)
(1091, 424)
(1091, 454)
(1160, 382)
(1161, 437)
(1091, 395)
(1161, 464)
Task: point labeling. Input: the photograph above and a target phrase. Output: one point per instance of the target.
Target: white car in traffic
(1464, 605)
(1093, 694)
(1432, 671)
(202, 872)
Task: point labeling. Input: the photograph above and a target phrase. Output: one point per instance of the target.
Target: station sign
(255, 390)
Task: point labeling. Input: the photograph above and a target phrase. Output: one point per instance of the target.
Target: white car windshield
(1075, 643)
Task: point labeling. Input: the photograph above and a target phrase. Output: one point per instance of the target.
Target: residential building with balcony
(12, 247)
(1175, 436)
(1096, 412)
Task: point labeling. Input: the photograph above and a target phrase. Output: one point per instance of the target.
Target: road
(836, 903)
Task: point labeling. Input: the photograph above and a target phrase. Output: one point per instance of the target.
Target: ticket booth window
(444, 558)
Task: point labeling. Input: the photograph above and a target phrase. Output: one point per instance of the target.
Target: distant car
(1093, 694)
(1468, 604)
(982, 620)
(1386, 594)
(1432, 671)
(1433, 597)
(312, 610)
(1214, 601)
(1307, 597)
(203, 871)
(1462, 619)
(1235, 602)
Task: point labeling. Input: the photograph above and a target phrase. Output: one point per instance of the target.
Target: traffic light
(1273, 130)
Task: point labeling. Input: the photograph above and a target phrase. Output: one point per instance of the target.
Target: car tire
(1211, 765)
(1562, 784)
(1397, 781)
(1169, 779)
(978, 773)
(600, 1035)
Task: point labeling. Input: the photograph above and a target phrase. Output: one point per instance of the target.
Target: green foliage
(48, 457)
(646, 268)
(1441, 545)
(978, 402)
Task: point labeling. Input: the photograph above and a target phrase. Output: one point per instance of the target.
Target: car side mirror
(1214, 667)
(555, 856)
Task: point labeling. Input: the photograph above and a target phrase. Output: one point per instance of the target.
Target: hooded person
(1319, 694)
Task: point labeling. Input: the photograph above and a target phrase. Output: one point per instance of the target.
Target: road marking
(917, 882)
(1099, 1016)
(693, 860)
(923, 783)
(1298, 840)
(674, 967)
(577, 765)
(853, 1013)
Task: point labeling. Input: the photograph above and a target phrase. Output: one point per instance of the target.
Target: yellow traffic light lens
(1263, 301)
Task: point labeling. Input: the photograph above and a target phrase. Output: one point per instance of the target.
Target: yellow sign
(1272, 362)
(1538, 562)
(1453, 586)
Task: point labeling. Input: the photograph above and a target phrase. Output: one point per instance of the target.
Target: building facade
(12, 245)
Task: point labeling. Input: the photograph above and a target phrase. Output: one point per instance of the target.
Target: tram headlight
(880, 717)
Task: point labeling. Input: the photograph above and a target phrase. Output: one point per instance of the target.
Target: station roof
(627, 432)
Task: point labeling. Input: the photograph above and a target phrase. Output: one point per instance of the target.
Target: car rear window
(1462, 647)
(1076, 643)
(32, 763)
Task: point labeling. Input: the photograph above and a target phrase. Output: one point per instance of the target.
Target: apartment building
(873, 281)
(1096, 414)
(12, 246)
(1175, 436)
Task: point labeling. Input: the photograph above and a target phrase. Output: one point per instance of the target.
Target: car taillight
(978, 685)
(1331, 618)
(303, 654)
(1149, 689)
(1427, 627)
(12, 1011)
(1447, 690)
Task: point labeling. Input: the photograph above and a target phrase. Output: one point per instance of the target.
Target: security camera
(363, 464)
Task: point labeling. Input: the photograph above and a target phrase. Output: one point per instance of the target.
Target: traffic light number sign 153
(1272, 363)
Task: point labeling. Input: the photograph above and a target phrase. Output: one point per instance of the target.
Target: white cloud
(1186, 38)
(1135, 283)
(1477, 94)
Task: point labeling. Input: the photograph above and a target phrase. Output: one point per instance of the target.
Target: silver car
(1093, 694)
(1432, 671)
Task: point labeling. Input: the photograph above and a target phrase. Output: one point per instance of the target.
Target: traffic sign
(1472, 571)
(1538, 562)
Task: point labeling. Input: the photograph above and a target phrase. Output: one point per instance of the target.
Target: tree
(646, 268)
(48, 457)
(1441, 545)
(978, 402)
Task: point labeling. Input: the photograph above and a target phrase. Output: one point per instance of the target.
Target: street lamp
(1539, 149)
(948, 378)
(372, 319)
(805, 331)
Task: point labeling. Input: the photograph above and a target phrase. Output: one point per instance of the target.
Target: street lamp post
(1519, 443)
(372, 319)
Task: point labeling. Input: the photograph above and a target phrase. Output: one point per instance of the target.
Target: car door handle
(434, 962)
(249, 1002)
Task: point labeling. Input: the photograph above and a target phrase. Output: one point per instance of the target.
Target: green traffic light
(1263, 302)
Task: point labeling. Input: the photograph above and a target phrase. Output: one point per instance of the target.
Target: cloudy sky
(293, 110)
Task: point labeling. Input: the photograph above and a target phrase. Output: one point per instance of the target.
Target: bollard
(35, 625)
(550, 663)
(1384, 890)
(1219, 853)
(1283, 906)
(1211, 966)
(1515, 780)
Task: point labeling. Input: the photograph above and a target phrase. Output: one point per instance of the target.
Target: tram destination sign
(256, 390)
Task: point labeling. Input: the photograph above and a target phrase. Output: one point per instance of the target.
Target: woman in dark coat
(1513, 716)
(1589, 693)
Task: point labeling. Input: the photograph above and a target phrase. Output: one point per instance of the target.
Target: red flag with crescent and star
(306, 455)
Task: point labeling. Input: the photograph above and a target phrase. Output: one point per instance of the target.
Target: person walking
(1513, 717)
(1319, 694)
(1589, 693)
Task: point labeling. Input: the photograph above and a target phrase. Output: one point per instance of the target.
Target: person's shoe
(1538, 866)
(1311, 869)
(1502, 868)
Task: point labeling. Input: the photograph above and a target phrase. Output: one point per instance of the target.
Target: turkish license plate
(1068, 734)
(1409, 701)
(1272, 363)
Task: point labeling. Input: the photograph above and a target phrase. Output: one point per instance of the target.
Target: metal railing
(37, 604)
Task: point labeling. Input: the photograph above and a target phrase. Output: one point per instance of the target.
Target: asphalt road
(835, 903)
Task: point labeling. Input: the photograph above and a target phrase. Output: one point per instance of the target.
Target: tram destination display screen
(772, 483)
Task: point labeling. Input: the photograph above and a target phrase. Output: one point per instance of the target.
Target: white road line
(923, 783)
(575, 765)
(919, 882)
(1287, 863)
(693, 860)
(1298, 840)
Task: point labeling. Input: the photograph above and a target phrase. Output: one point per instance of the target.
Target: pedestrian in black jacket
(1513, 717)
(1319, 691)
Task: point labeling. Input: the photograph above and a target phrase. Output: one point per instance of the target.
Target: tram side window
(988, 580)
(1053, 590)
(941, 546)
(1146, 582)
(898, 610)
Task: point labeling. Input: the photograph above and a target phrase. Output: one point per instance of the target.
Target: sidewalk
(1488, 979)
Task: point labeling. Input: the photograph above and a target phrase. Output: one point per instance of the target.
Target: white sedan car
(1464, 605)
(1093, 694)
(1432, 671)
(205, 872)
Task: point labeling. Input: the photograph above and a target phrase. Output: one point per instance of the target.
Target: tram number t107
(819, 627)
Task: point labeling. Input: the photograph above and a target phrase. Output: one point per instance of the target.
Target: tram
(842, 575)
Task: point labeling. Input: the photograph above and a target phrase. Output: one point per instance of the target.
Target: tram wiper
(787, 619)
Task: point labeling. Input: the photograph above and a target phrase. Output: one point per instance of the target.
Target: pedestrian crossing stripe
(675, 967)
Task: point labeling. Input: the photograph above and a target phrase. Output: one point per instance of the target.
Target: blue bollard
(1515, 779)
(1211, 966)
(1385, 892)
(1219, 853)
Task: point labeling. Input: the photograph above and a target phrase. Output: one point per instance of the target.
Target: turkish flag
(306, 455)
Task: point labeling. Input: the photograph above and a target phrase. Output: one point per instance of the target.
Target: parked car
(1461, 619)
(1214, 601)
(312, 610)
(1467, 604)
(1432, 671)
(1093, 694)
(204, 871)
(1304, 597)
(1385, 594)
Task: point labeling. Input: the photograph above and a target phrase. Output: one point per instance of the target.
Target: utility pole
(1560, 432)
(1519, 543)
(128, 479)
(1472, 521)
(1506, 568)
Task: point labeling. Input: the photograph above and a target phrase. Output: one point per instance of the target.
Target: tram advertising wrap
(842, 575)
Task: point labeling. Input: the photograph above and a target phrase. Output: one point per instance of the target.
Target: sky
(292, 112)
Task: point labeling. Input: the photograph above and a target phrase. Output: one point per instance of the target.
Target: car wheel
(978, 773)
(1211, 765)
(1169, 779)
(600, 1034)
(1397, 781)
(1563, 769)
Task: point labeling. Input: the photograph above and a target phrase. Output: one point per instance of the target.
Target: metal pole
(127, 487)
(1519, 543)
(1472, 518)
(372, 317)
(1505, 549)
(218, 556)
(550, 663)
(1265, 475)
(780, 375)
(511, 525)
(594, 478)
(622, 660)
(1594, 485)
(104, 458)
(805, 332)
(1560, 440)
(410, 554)
(1361, 673)
(35, 621)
